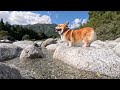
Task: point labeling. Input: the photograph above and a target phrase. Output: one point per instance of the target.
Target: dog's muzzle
(56, 30)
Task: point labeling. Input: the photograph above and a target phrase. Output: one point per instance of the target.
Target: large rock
(48, 42)
(100, 60)
(31, 52)
(117, 49)
(7, 72)
(58, 40)
(25, 74)
(51, 47)
(9, 51)
(38, 42)
(117, 40)
(106, 44)
(111, 44)
(23, 44)
(5, 41)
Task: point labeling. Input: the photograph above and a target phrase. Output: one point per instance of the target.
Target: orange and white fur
(85, 35)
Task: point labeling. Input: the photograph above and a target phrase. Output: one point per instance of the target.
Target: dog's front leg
(61, 41)
(69, 44)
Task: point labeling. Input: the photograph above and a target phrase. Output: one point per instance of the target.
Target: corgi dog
(84, 35)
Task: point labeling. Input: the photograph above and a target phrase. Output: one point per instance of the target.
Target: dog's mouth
(57, 30)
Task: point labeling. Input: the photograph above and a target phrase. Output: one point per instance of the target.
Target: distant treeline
(21, 32)
(106, 24)
(47, 29)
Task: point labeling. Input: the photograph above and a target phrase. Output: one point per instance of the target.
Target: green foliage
(26, 37)
(106, 24)
(2, 26)
(8, 38)
(43, 36)
(47, 29)
(3, 33)
(106, 32)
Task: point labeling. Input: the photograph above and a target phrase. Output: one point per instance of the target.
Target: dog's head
(61, 27)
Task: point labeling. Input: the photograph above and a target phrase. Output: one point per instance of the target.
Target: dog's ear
(66, 23)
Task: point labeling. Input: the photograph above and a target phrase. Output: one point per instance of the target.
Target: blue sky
(75, 18)
(64, 16)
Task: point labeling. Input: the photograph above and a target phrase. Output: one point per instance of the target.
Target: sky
(75, 18)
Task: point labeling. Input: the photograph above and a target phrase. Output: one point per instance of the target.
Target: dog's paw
(84, 46)
(69, 46)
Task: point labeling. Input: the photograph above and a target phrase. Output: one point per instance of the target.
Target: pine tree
(2, 24)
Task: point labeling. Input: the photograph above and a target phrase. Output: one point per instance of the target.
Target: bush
(8, 38)
(43, 36)
(3, 33)
(106, 24)
(108, 31)
(26, 37)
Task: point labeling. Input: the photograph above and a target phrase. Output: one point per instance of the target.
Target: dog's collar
(65, 30)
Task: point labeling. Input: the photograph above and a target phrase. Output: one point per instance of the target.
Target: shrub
(107, 32)
(8, 38)
(26, 37)
(3, 33)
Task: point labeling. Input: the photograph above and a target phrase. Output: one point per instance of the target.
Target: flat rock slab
(23, 44)
(100, 60)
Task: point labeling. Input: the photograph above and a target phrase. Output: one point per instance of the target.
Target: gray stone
(100, 60)
(9, 51)
(38, 42)
(117, 49)
(23, 44)
(31, 52)
(5, 41)
(105, 44)
(7, 72)
(51, 47)
(48, 42)
(117, 40)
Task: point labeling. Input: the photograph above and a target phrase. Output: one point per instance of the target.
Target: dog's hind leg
(67, 43)
(86, 43)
